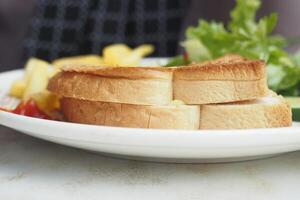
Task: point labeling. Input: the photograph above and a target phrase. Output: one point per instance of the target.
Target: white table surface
(34, 169)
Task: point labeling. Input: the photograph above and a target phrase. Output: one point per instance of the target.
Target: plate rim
(6, 117)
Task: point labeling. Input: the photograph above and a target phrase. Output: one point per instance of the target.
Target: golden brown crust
(108, 89)
(254, 114)
(135, 116)
(218, 91)
(241, 70)
(123, 72)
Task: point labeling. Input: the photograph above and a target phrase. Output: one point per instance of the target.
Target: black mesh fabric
(73, 27)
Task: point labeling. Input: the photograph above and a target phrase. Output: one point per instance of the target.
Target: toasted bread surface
(111, 89)
(267, 112)
(218, 91)
(222, 70)
(128, 115)
(227, 79)
(123, 72)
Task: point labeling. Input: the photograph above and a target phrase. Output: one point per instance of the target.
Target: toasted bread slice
(128, 115)
(133, 85)
(266, 112)
(227, 79)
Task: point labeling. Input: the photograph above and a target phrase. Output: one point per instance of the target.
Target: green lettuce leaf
(248, 37)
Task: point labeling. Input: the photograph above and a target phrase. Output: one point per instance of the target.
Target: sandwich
(227, 93)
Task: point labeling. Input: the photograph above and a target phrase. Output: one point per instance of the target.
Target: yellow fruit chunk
(35, 79)
(122, 55)
(114, 54)
(134, 58)
(31, 65)
(17, 88)
(37, 82)
(46, 101)
(78, 60)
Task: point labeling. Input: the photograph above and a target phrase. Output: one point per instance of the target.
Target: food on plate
(220, 82)
(78, 60)
(132, 85)
(189, 97)
(129, 115)
(113, 55)
(37, 80)
(34, 79)
(17, 88)
(229, 92)
(265, 112)
(122, 55)
(32, 86)
(30, 109)
(46, 101)
(249, 36)
(227, 79)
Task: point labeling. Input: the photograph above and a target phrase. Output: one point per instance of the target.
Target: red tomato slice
(28, 108)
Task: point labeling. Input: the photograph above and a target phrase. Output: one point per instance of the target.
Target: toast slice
(133, 85)
(227, 79)
(267, 112)
(128, 115)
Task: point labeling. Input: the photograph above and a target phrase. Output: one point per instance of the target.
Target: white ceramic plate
(157, 145)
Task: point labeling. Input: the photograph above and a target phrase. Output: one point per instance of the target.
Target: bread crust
(217, 70)
(245, 115)
(124, 72)
(134, 116)
(111, 89)
(218, 91)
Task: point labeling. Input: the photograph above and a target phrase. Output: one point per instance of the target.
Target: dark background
(49, 29)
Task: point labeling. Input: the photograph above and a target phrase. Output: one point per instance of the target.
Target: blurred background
(50, 29)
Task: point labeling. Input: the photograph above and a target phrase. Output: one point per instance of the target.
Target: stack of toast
(227, 93)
